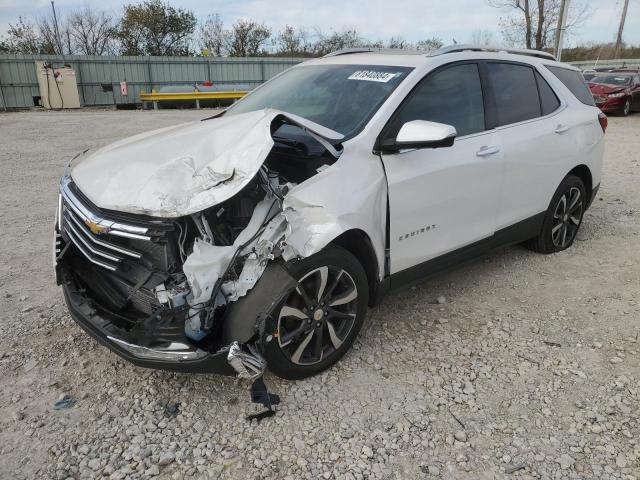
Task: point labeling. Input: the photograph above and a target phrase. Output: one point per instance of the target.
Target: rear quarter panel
(586, 135)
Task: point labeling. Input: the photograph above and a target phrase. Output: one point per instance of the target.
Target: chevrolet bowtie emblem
(95, 228)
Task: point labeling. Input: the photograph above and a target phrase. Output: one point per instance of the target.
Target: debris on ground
(390, 409)
(66, 401)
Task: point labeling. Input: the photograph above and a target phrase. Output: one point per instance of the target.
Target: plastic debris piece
(65, 402)
(260, 394)
(172, 408)
(249, 365)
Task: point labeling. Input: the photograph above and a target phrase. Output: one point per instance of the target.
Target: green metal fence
(99, 77)
(626, 63)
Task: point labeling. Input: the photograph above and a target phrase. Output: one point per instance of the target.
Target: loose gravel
(517, 366)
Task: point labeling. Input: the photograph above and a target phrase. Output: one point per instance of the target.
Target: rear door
(441, 199)
(537, 140)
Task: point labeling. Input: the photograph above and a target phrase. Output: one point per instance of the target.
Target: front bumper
(169, 354)
(612, 105)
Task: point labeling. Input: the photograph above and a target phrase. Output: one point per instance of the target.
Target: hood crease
(183, 169)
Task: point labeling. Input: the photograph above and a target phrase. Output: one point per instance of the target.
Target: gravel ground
(518, 366)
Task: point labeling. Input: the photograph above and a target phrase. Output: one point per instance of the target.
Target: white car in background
(260, 236)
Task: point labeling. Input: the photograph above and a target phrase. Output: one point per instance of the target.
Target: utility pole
(562, 25)
(55, 27)
(621, 27)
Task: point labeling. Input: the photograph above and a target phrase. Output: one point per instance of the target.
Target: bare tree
(213, 38)
(92, 31)
(347, 38)
(482, 37)
(248, 38)
(292, 41)
(425, 45)
(57, 42)
(429, 44)
(532, 23)
(23, 37)
(399, 42)
(540, 24)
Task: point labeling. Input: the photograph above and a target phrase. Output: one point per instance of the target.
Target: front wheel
(563, 217)
(320, 318)
(626, 109)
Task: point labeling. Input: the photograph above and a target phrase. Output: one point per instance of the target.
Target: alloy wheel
(318, 315)
(567, 217)
(627, 108)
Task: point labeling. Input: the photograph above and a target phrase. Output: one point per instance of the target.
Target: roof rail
(477, 48)
(347, 51)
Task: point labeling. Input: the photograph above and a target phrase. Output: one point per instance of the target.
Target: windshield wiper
(217, 115)
(301, 147)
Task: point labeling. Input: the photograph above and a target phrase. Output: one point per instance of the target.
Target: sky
(413, 20)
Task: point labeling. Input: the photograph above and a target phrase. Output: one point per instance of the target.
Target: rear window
(575, 82)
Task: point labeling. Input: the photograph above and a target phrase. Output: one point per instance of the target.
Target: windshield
(612, 79)
(340, 97)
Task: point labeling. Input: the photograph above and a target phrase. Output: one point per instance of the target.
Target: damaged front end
(181, 290)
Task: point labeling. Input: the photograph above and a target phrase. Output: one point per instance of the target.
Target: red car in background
(616, 92)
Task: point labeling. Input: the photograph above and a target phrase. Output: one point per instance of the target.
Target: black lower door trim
(516, 233)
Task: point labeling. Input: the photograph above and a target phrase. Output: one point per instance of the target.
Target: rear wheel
(319, 319)
(563, 217)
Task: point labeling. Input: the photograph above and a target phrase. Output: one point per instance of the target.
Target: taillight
(604, 121)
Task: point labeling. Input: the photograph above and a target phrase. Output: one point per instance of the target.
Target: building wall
(99, 77)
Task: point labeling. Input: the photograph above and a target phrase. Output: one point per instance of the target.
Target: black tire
(328, 330)
(561, 225)
(626, 108)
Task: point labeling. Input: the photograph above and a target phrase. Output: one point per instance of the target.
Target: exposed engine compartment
(188, 271)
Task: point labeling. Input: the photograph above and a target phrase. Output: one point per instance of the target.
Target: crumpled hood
(603, 88)
(183, 169)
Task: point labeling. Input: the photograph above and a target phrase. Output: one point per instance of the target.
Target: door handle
(561, 128)
(484, 151)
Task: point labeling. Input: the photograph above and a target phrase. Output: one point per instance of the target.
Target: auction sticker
(372, 76)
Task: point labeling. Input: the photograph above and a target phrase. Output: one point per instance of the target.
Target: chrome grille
(96, 247)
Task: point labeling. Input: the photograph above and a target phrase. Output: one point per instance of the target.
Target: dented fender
(349, 195)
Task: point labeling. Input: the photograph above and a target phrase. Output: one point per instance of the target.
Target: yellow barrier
(156, 97)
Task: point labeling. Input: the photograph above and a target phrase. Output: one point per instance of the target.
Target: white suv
(260, 236)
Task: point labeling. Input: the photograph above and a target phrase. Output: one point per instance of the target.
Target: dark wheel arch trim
(359, 245)
(584, 173)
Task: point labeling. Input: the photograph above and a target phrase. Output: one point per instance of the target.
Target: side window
(452, 96)
(575, 82)
(515, 92)
(548, 98)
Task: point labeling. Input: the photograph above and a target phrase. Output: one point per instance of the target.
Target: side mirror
(422, 134)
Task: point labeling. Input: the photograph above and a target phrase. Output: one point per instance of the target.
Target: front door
(443, 199)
